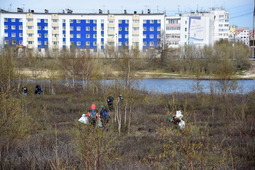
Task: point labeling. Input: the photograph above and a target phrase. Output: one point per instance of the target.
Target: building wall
(94, 31)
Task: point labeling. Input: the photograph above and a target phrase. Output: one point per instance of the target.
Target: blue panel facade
(84, 34)
(151, 33)
(43, 33)
(14, 31)
(64, 34)
(102, 35)
(123, 32)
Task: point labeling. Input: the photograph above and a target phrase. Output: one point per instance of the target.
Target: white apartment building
(173, 31)
(94, 31)
(197, 28)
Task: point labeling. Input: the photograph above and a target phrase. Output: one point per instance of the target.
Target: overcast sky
(240, 11)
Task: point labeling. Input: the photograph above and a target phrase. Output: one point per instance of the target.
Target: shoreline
(45, 74)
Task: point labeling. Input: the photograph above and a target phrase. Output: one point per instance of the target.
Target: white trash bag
(100, 124)
(179, 114)
(84, 119)
(182, 124)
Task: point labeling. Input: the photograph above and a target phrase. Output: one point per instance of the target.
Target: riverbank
(46, 74)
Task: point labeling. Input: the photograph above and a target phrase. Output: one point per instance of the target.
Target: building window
(111, 28)
(30, 35)
(13, 42)
(29, 27)
(71, 28)
(78, 21)
(151, 36)
(30, 42)
(46, 35)
(151, 28)
(111, 21)
(136, 21)
(144, 44)
(39, 35)
(87, 21)
(78, 35)
(39, 42)
(78, 43)
(87, 28)
(120, 28)
(71, 21)
(94, 36)
(71, 35)
(151, 21)
(87, 36)
(55, 28)
(144, 29)
(6, 27)
(64, 21)
(126, 28)
(135, 28)
(87, 43)
(29, 20)
(94, 28)
(13, 27)
(151, 43)
(55, 20)
(135, 36)
(13, 34)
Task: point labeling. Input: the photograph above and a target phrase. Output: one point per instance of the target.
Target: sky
(240, 11)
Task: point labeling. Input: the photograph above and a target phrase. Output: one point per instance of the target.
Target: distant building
(197, 28)
(97, 31)
(241, 35)
(94, 31)
(173, 31)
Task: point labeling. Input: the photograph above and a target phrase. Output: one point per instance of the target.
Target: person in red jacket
(93, 114)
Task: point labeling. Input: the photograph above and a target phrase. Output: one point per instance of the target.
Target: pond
(191, 86)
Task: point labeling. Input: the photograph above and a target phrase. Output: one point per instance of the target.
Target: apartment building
(97, 31)
(173, 31)
(94, 31)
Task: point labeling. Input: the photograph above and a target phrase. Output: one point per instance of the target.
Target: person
(93, 115)
(24, 91)
(38, 89)
(110, 103)
(177, 119)
(104, 115)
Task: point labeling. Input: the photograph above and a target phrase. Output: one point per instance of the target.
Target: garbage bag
(84, 119)
(182, 124)
(99, 123)
(179, 114)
